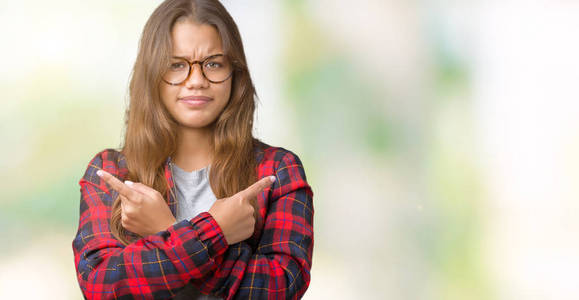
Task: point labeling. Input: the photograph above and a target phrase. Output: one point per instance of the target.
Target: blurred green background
(440, 137)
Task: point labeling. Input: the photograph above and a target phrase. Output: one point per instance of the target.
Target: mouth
(195, 100)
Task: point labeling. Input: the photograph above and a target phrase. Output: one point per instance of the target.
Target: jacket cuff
(209, 233)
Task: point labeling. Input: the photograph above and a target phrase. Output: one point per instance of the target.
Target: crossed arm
(157, 266)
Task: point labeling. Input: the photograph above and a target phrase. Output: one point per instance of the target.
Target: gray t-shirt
(194, 196)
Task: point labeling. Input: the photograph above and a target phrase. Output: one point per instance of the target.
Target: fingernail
(272, 178)
(100, 173)
(128, 182)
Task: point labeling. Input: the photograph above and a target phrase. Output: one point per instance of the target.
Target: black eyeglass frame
(200, 62)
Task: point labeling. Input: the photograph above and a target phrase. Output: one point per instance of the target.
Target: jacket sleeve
(154, 267)
(279, 267)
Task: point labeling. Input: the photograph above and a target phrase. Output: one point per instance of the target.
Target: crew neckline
(202, 170)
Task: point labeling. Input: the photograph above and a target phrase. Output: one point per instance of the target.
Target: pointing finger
(252, 191)
(116, 184)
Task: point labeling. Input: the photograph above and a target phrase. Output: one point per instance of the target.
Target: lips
(195, 101)
(196, 98)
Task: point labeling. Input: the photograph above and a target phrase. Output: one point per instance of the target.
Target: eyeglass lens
(215, 68)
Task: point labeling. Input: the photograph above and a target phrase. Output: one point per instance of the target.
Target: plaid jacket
(273, 264)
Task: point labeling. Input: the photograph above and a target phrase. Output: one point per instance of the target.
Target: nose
(196, 78)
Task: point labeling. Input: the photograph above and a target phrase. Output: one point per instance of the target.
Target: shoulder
(267, 154)
(110, 160)
(273, 159)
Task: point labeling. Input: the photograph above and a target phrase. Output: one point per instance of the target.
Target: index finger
(254, 189)
(116, 184)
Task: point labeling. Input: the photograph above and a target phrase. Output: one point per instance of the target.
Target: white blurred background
(440, 137)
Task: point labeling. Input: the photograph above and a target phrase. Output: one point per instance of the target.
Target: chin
(195, 119)
(196, 124)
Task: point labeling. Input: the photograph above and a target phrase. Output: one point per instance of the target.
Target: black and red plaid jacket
(274, 263)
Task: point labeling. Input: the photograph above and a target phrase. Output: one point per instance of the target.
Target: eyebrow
(191, 58)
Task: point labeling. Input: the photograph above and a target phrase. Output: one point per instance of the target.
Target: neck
(194, 149)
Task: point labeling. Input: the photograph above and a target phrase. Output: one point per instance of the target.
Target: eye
(178, 66)
(212, 65)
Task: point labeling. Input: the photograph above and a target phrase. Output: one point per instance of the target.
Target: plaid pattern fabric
(273, 264)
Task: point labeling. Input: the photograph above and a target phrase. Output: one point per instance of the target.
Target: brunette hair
(151, 133)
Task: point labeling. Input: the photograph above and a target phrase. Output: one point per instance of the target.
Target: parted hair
(151, 133)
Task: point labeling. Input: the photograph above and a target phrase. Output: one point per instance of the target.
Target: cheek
(168, 94)
(226, 92)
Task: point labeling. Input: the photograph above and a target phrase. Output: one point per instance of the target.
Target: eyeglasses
(215, 68)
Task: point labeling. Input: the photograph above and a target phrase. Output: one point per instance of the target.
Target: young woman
(193, 206)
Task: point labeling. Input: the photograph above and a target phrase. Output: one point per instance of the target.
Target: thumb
(143, 189)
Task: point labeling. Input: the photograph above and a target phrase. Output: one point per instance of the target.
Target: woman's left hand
(144, 210)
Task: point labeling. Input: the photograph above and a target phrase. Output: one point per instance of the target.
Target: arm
(154, 267)
(279, 267)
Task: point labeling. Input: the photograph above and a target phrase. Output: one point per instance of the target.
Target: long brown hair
(151, 133)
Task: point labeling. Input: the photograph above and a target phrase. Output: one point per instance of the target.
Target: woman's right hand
(236, 214)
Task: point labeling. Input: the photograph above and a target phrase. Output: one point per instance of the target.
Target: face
(196, 102)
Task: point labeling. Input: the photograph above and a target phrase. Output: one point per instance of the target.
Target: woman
(192, 206)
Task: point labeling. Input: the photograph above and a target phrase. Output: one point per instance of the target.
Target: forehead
(194, 40)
